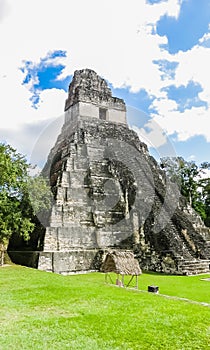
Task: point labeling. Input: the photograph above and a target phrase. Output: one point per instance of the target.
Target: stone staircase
(193, 267)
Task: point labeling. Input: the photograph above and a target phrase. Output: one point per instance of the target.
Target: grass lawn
(42, 311)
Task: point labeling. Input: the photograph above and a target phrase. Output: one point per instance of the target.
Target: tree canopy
(193, 183)
(21, 196)
(13, 181)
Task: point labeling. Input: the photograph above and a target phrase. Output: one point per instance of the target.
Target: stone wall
(100, 153)
(109, 193)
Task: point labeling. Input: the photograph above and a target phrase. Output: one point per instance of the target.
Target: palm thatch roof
(121, 262)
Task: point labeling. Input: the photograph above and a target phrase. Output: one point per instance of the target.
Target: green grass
(42, 311)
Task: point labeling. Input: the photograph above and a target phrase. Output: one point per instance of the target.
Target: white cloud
(16, 107)
(4, 9)
(193, 65)
(34, 140)
(205, 37)
(101, 35)
(191, 122)
(112, 37)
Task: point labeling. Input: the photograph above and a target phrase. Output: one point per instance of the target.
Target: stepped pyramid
(109, 193)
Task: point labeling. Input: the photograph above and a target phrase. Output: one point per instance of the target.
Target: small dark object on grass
(153, 289)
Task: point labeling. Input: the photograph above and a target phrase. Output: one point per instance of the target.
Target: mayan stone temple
(109, 193)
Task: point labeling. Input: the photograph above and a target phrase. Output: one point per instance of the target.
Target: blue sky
(153, 54)
(185, 31)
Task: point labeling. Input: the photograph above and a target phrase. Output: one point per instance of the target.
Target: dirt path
(184, 299)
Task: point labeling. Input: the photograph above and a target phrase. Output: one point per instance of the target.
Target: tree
(38, 194)
(21, 197)
(189, 177)
(38, 201)
(184, 173)
(205, 185)
(13, 180)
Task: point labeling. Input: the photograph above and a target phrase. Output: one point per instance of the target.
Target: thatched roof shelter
(121, 262)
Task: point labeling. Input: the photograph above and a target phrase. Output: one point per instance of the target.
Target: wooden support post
(122, 280)
(130, 280)
(111, 279)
